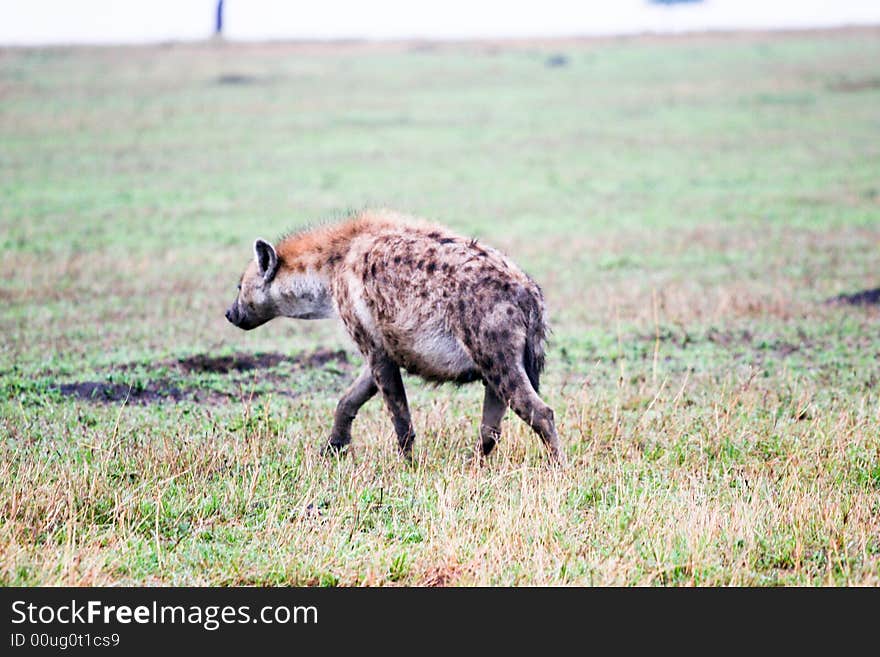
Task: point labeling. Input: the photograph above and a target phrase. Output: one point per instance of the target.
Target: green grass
(687, 204)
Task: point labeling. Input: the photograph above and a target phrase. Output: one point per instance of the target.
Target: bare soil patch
(239, 362)
(244, 362)
(154, 392)
(863, 298)
(235, 79)
(851, 86)
(159, 390)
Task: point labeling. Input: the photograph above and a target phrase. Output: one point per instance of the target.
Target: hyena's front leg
(386, 373)
(356, 396)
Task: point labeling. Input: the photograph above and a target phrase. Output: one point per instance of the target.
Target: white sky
(127, 21)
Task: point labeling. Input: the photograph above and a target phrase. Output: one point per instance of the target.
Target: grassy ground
(689, 206)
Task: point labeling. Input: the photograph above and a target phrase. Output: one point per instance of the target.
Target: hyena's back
(442, 306)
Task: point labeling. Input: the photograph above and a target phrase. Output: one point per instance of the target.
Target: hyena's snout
(233, 313)
(237, 315)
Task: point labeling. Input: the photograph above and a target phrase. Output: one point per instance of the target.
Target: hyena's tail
(536, 334)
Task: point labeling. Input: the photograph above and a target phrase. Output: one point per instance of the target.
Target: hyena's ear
(267, 259)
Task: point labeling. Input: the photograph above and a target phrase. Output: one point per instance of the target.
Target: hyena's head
(254, 304)
(268, 290)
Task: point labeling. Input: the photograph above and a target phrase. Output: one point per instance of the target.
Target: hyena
(411, 295)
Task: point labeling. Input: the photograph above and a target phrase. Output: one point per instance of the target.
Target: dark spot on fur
(505, 335)
(333, 259)
(420, 264)
(468, 376)
(431, 267)
(510, 311)
(461, 305)
(506, 387)
(434, 235)
(396, 260)
(446, 240)
(373, 269)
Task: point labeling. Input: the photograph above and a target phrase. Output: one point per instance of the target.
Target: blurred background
(131, 21)
(636, 142)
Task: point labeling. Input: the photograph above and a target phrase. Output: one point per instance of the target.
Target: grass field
(689, 205)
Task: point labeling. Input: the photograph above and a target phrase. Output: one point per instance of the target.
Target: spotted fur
(411, 295)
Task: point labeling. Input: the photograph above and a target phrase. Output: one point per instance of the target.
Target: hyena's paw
(489, 439)
(336, 448)
(405, 456)
(481, 453)
(558, 459)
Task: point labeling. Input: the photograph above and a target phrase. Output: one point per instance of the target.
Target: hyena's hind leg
(526, 403)
(498, 347)
(494, 409)
(361, 391)
(504, 373)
